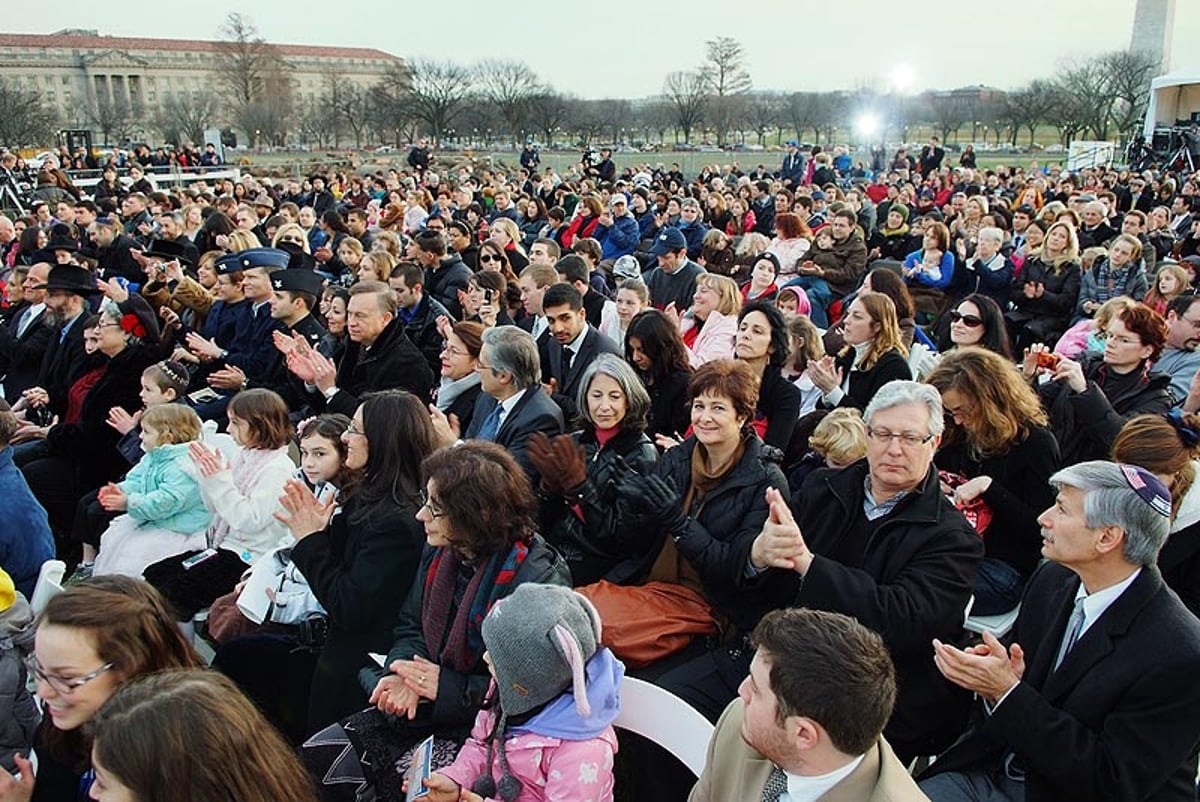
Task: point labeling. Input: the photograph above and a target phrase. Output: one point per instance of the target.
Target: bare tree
(318, 122)
(1086, 84)
(1066, 112)
(686, 93)
(726, 79)
(948, 114)
(112, 116)
(1129, 74)
(764, 110)
(509, 86)
(182, 118)
(430, 91)
(256, 79)
(24, 118)
(588, 120)
(803, 110)
(548, 112)
(1030, 105)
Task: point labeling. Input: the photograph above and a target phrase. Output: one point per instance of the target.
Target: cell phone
(488, 295)
(196, 559)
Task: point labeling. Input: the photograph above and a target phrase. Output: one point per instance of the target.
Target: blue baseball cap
(671, 239)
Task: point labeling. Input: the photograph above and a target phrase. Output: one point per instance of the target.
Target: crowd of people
(763, 440)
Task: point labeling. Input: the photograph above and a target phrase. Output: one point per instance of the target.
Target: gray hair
(689, 203)
(992, 233)
(637, 400)
(1110, 501)
(898, 393)
(514, 351)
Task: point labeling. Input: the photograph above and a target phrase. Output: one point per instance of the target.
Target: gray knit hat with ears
(539, 639)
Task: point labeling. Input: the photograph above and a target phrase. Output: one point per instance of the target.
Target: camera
(1048, 360)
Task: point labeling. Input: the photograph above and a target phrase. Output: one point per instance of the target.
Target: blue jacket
(161, 493)
(923, 279)
(224, 321)
(25, 537)
(694, 234)
(792, 168)
(646, 224)
(621, 238)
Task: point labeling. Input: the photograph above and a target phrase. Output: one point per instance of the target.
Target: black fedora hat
(167, 249)
(70, 278)
(62, 243)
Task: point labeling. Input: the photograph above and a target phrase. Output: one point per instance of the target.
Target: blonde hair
(882, 311)
(1089, 256)
(840, 437)
(725, 288)
(1112, 309)
(291, 228)
(388, 241)
(353, 244)
(175, 423)
(381, 264)
(242, 240)
(510, 228)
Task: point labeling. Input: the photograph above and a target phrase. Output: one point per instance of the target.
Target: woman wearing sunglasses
(977, 320)
(91, 639)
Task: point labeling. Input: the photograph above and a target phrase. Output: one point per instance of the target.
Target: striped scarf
(460, 645)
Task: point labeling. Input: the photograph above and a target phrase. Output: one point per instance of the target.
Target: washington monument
(1153, 22)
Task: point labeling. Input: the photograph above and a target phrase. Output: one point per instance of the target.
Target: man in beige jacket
(808, 721)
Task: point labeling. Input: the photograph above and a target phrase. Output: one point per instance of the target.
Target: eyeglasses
(434, 510)
(907, 439)
(970, 321)
(353, 429)
(487, 257)
(63, 685)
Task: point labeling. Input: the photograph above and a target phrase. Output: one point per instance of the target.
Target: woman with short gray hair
(583, 512)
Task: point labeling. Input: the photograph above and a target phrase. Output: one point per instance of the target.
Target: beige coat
(736, 773)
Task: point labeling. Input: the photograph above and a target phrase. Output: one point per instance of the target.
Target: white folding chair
(999, 625)
(49, 582)
(667, 720)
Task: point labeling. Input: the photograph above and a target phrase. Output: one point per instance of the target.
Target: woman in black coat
(80, 451)
(1045, 294)
(1088, 402)
(763, 343)
(997, 439)
(873, 356)
(478, 512)
(582, 512)
(653, 346)
(359, 559)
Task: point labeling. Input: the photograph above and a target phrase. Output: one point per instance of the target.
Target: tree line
(500, 100)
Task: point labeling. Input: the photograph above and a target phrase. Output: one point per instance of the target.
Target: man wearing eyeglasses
(880, 542)
(1181, 358)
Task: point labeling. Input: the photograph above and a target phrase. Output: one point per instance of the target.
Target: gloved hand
(658, 498)
(559, 461)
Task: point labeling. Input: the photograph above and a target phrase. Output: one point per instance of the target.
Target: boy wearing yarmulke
(545, 730)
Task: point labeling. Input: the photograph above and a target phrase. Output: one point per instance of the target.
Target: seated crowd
(761, 440)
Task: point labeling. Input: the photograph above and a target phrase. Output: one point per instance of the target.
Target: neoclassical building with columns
(71, 69)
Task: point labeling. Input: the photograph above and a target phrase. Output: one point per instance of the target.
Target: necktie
(776, 785)
(23, 321)
(1074, 627)
(491, 425)
(568, 357)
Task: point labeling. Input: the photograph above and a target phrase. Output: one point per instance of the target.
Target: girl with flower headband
(1169, 447)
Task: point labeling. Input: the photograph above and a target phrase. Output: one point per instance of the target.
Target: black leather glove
(658, 498)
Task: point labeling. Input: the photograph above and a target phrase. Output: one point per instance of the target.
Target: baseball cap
(671, 239)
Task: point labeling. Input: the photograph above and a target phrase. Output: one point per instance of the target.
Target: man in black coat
(513, 404)
(572, 345)
(1096, 698)
(67, 289)
(419, 312)
(24, 340)
(379, 356)
(880, 542)
(113, 251)
(445, 275)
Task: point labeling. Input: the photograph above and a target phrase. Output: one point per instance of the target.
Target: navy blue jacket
(25, 537)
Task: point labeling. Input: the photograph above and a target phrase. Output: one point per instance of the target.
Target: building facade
(80, 72)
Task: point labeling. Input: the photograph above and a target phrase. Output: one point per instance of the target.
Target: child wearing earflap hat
(545, 731)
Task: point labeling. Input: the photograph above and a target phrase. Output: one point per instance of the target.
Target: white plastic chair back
(49, 582)
(665, 719)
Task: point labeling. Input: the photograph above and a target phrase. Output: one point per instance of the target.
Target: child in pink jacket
(545, 733)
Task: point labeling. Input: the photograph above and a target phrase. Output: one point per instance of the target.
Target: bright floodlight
(867, 124)
(903, 77)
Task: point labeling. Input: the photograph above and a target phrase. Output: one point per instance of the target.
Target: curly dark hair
(484, 494)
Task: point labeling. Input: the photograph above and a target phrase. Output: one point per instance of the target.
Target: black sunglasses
(971, 321)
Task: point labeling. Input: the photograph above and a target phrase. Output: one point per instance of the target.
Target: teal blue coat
(161, 491)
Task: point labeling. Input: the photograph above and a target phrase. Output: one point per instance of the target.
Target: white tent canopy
(1173, 96)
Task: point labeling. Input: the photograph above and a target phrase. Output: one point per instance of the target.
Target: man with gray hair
(513, 404)
(1096, 698)
(988, 272)
(880, 542)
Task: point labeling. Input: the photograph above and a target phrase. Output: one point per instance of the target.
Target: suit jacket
(554, 365)
(735, 771)
(21, 356)
(1117, 720)
(534, 412)
(63, 363)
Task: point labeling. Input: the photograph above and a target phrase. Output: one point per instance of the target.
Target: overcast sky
(624, 48)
